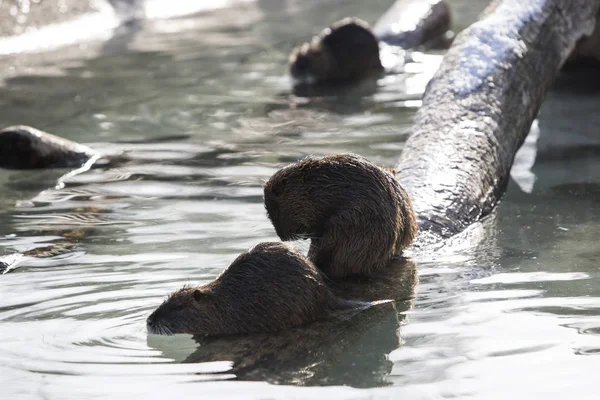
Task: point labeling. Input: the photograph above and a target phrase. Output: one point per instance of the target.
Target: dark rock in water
(24, 147)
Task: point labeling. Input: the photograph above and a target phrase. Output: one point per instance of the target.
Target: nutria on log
(268, 288)
(355, 213)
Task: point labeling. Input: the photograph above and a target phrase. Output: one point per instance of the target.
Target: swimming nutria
(355, 213)
(266, 289)
(24, 147)
(347, 50)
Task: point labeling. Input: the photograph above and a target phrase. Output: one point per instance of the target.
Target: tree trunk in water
(413, 23)
(478, 108)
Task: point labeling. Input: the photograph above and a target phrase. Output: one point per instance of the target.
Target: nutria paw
(348, 50)
(355, 213)
(268, 288)
(24, 147)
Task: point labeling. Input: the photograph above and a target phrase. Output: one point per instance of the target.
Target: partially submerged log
(478, 108)
(588, 49)
(411, 24)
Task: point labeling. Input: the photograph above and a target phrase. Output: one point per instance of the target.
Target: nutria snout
(355, 213)
(268, 288)
(348, 50)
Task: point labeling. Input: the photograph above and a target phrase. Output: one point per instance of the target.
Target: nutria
(266, 289)
(355, 213)
(397, 282)
(24, 147)
(348, 50)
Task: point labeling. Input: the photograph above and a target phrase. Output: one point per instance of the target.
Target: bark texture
(413, 23)
(479, 107)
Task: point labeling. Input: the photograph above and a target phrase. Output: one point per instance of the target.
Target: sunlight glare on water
(202, 108)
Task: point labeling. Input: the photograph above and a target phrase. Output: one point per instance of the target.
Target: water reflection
(317, 354)
(509, 308)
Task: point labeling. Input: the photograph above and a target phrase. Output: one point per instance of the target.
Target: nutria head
(24, 147)
(348, 50)
(356, 213)
(266, 289)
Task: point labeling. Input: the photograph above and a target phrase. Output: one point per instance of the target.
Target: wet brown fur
(355, 213)
(268, 288)
(348, 50)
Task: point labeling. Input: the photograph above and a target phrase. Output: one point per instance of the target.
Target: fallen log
(479, 106)
(411, 24)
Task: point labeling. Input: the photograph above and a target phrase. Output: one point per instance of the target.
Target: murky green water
(204, 109)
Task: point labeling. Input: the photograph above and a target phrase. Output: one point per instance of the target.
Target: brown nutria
(355, 213)
(348, 50)
(397, 282)
(24, 147)
(268, 288)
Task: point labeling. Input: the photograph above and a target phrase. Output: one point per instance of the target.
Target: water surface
(203, 108)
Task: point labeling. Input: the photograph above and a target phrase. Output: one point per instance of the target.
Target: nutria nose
(150, 323)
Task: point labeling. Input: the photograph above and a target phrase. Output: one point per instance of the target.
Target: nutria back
(347, 50)
(355, 213)
(266, 289)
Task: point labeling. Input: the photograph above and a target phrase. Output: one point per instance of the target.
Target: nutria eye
(198, 295)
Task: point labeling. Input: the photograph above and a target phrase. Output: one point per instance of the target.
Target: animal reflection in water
(350, 347)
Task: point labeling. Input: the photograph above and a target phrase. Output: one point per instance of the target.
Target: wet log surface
(478, 108)
(413, 23)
